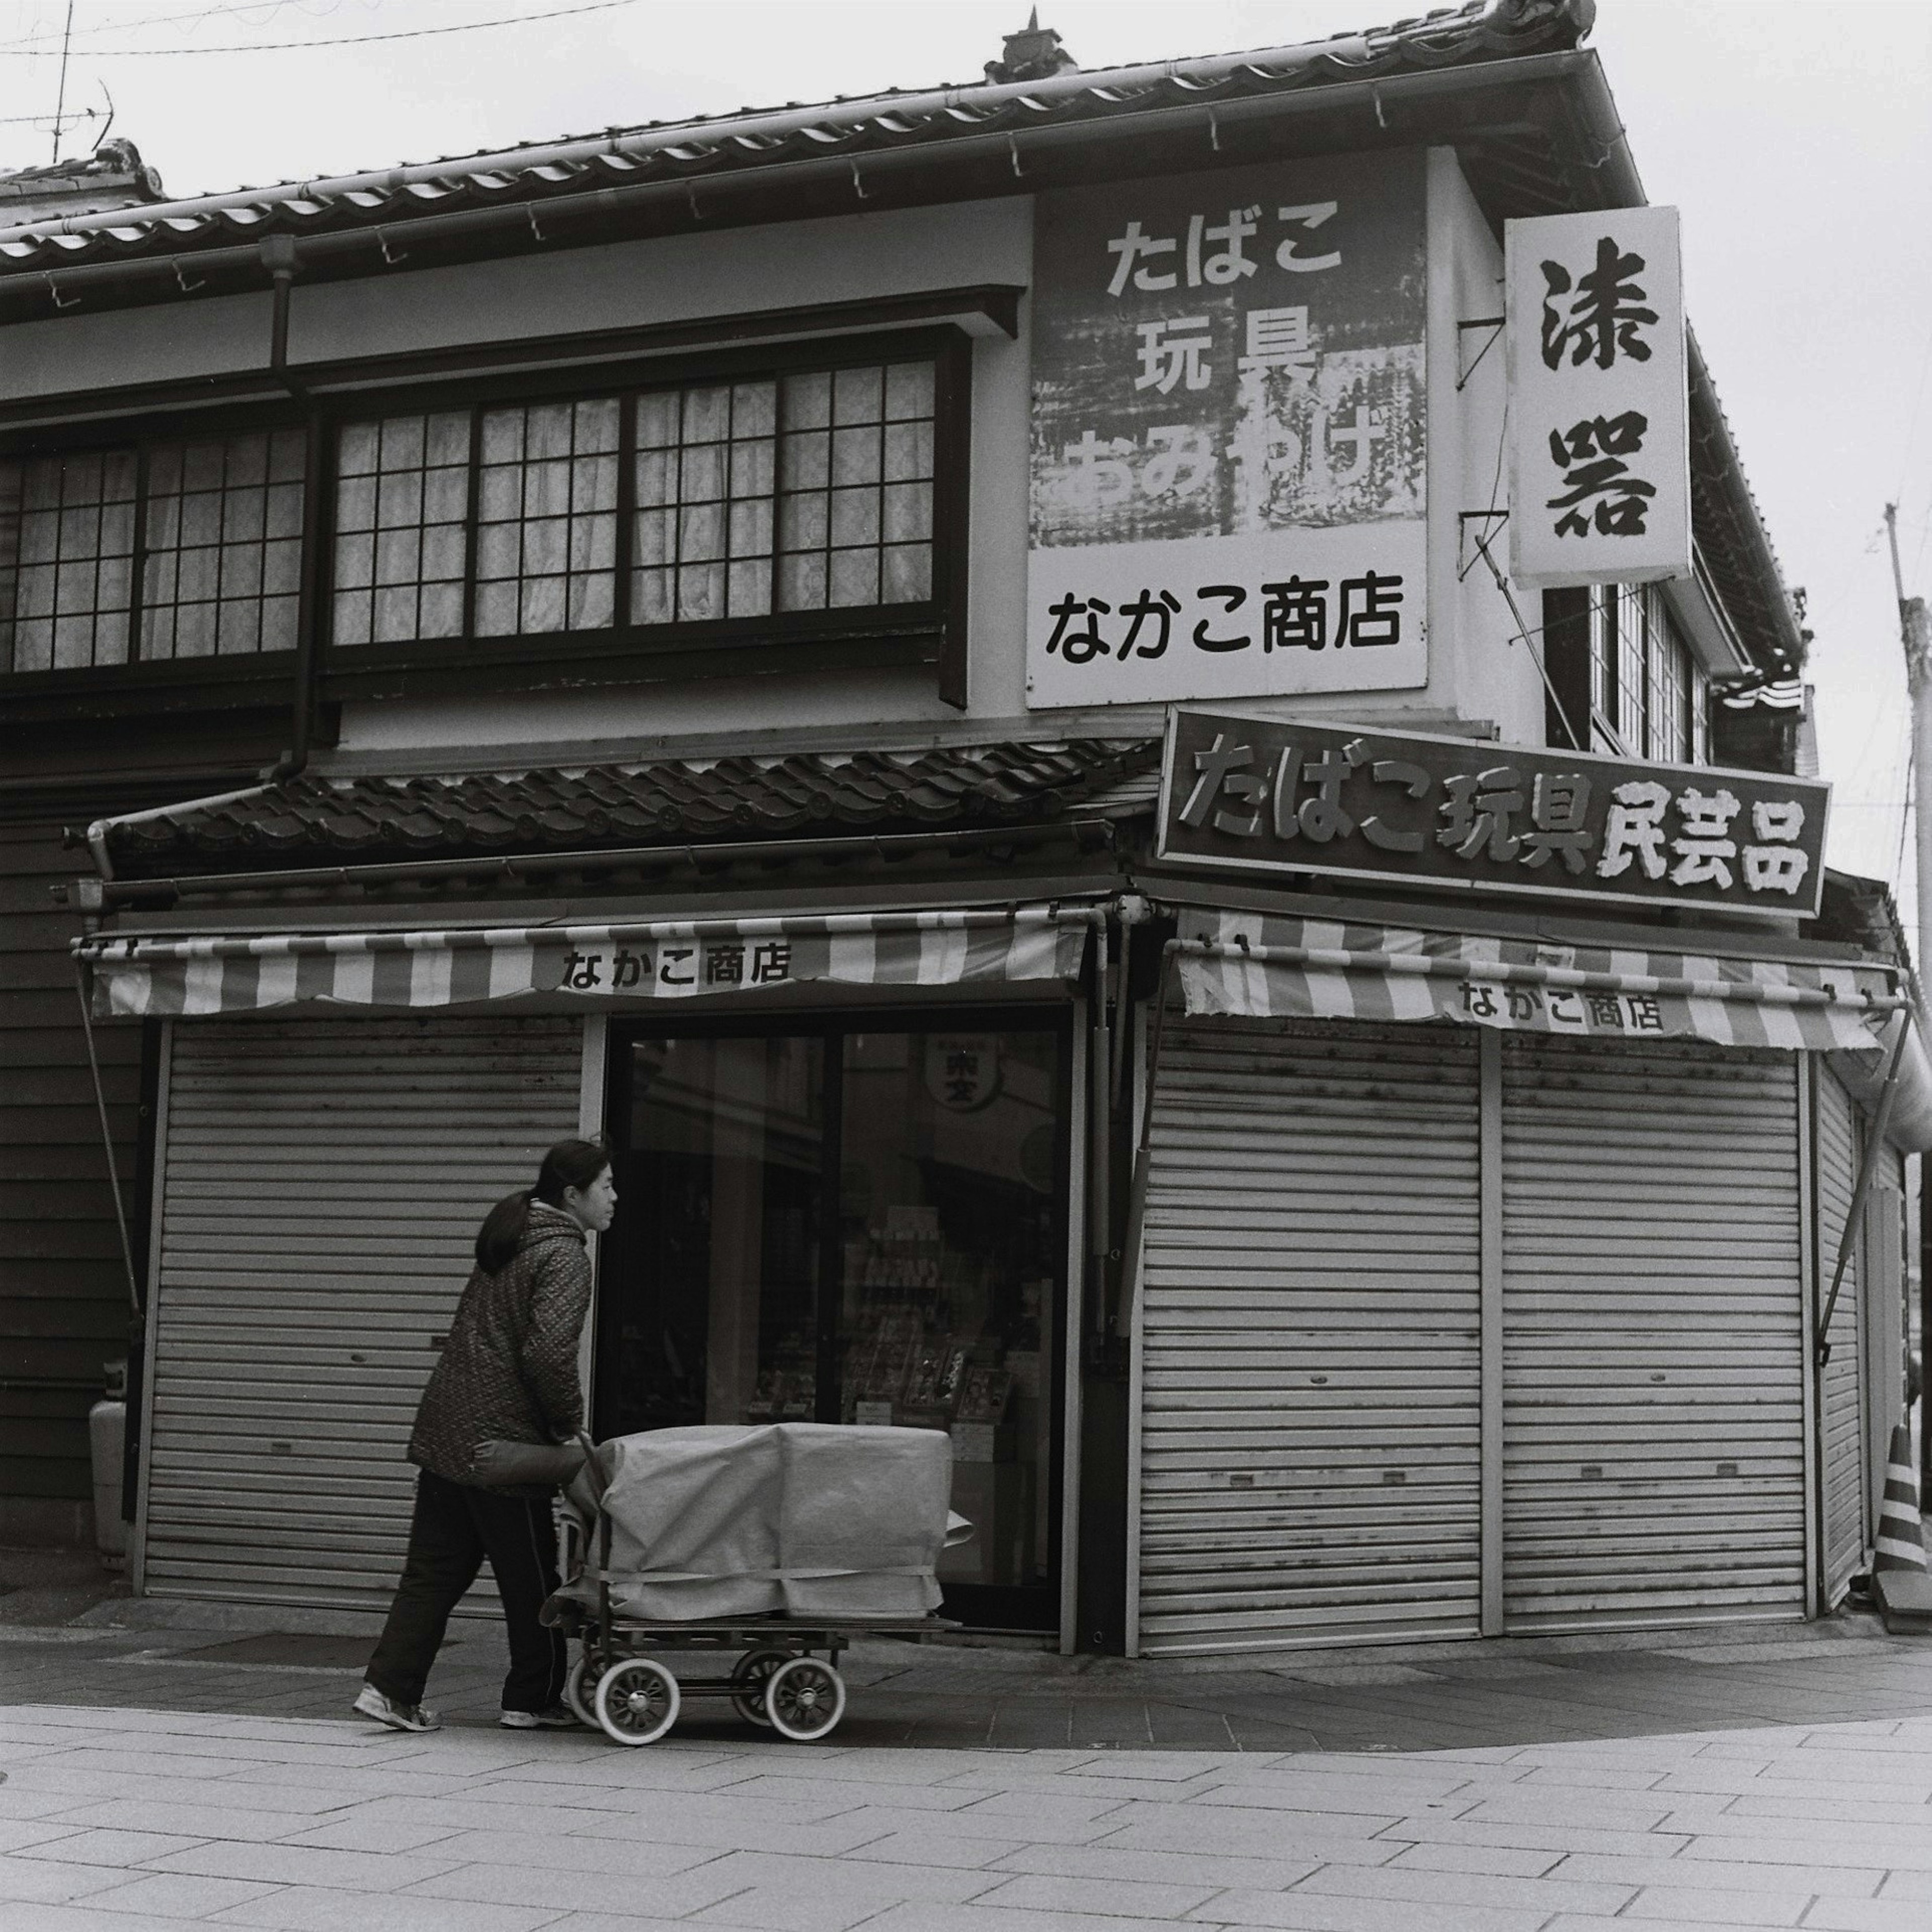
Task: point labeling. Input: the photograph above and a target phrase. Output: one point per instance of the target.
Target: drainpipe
(280, 258)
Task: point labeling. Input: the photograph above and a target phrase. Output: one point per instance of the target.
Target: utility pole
(1915, 634)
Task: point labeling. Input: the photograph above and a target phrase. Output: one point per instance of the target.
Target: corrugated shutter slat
(324, 1181)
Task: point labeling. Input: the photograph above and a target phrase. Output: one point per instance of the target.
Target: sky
(1795, 135)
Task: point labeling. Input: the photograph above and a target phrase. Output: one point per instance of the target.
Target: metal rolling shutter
(323, 1182)
(1308, 1462)
(1841, 1421)
(1654, 1357)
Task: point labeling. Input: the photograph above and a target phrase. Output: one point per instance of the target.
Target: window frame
(137, 685)
(932, 633)
(847, 637)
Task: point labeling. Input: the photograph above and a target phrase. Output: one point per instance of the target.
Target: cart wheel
(805, 1699)
(637, 1701)
(580, 1688)
(753, 1672)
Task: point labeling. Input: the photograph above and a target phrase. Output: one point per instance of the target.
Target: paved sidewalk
(117, 1818)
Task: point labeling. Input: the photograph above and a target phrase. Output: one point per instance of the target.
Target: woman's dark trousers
(454, 1527)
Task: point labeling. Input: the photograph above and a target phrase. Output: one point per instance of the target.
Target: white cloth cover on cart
(800, 1519)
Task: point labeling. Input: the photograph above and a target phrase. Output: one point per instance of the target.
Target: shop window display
(860, 1225)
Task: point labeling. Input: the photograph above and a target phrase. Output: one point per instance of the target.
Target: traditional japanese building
(952, 671)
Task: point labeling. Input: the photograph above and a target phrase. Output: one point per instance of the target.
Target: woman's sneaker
(558, 1717)
(369, 1702)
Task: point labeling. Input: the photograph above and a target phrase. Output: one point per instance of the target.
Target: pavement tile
(915, 1848)
(1534, 1838)
(1722, 1875)
(112, 1846)
(306, 1864)
(163, 1895)
(1821, 1805)
(86, 1917)
(1670, 1905)
(749, 1830)
(1867, 1915)
(44, 1882)
(1034, 1807)
(1500, 1861)
(1191, 1828)
(1907, 1885)
(297, 1910)
(638, 1857)
(1108, 1861)
(191, 1821)
(1310, 1912)
(17, 1834)
(778, 1908)
(1616, 1810)
(366, 1829)
(671, 1897)
(1786, 1841)
(763, 1785)
(1118, 1897)
(20, 1801)
(1435, 1888)
(1045, 1829)
(826, 1876)
(77, 1787)
(1376, 1805)
(924, 1918)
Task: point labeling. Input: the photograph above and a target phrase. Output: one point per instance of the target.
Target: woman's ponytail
(502, 1231)
(568, 1164)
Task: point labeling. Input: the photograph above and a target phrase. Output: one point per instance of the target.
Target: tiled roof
(319, 821)
(1482, 32)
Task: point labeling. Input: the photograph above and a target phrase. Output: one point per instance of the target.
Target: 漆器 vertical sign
(1599, 431)
(1229, 404)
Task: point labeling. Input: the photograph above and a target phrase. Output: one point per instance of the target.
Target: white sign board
(1599, 413)
(1229, 418)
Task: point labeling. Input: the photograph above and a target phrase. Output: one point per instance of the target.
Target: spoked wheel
(637, 1701)
(805, 1699)
(753, 1672)
(580, 1688)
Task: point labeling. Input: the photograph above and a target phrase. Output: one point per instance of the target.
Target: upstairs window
(169, 550)
(774, 496)
(1649, 696)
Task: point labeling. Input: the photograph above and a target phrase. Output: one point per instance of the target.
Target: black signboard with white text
(1275, 795)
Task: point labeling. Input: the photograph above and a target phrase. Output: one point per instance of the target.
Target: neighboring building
(625, 543)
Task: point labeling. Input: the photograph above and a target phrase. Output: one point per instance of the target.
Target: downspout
(279, 258)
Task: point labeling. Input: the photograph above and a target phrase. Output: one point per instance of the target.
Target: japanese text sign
(1285, 796)
(1228, 470)
(1599, 421)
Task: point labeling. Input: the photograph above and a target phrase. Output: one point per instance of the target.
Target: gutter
(97, 833)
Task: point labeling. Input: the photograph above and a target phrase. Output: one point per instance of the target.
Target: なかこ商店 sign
(1274, 794)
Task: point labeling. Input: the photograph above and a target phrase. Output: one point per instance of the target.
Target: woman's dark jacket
(508, 1370)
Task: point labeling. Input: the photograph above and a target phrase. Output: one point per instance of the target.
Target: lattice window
(222, 556)
(402, 501)
(547, 518)
(67, 547)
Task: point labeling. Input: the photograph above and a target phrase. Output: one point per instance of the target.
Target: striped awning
(651, 960)
(1241, 963)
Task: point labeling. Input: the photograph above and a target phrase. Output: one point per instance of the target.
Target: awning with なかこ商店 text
(655, 960)
(1241, 963)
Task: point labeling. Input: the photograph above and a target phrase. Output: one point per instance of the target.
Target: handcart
(781, 1673)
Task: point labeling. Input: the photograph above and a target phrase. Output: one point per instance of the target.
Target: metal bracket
(53, 289)
(858, 186)
(1495, 324)
(1466, 558)
(392, 256)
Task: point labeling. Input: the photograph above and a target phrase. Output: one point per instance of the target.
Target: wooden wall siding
(63, 1287)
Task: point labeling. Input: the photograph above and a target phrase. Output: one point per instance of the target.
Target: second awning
(1242, 964)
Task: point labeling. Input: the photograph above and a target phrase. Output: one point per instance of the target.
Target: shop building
(747, 599)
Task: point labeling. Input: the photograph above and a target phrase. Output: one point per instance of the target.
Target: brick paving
(1777, 1776)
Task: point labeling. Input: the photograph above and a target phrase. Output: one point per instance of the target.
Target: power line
(345, 40)
(196, 14)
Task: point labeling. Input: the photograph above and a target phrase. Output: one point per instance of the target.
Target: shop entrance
(859, 1222)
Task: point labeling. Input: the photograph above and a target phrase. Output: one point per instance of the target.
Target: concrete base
(1904, 1600)
(46, 1523)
